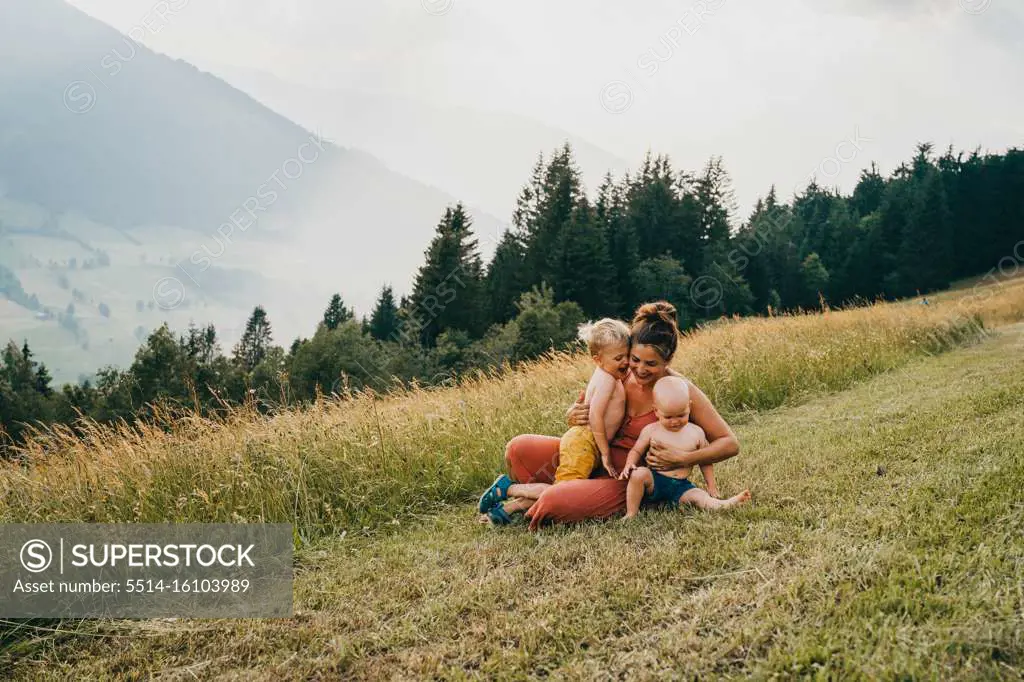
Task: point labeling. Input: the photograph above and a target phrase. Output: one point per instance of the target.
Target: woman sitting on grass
(532, 460)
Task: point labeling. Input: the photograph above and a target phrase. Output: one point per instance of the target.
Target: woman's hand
(579, 412)
(662, 458)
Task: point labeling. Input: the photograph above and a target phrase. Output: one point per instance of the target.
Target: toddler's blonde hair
(603, 333)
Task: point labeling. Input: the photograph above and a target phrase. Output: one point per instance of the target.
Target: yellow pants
(577, 454)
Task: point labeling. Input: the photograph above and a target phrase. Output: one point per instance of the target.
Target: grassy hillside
(344, 465)
(884, 542)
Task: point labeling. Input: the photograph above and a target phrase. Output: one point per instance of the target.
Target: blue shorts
(668, 489)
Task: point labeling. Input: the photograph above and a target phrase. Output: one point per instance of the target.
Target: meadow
(884, 541)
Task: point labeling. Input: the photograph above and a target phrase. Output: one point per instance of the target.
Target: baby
(673, 428)
(608, 345)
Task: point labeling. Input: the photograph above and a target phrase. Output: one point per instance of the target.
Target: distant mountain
(107, 148)
(92, 122)
(483, 157)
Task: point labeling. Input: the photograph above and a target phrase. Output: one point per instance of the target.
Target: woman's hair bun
(657, 324)
(658, 311)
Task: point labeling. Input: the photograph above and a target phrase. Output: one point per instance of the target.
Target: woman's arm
(707, 470)
(722, 443)
(578, 413)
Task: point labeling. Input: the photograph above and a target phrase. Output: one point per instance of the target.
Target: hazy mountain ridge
(157, 164)
(476, 155)
(96, 123)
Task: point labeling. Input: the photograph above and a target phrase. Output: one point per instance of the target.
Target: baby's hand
(713, 491)
(624, 476)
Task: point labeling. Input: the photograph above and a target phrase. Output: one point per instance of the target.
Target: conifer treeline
(659, 233)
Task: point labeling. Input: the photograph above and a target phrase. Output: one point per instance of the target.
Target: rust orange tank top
(630, 430)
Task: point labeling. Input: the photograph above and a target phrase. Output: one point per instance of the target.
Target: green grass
(885, 541)
(341, 465)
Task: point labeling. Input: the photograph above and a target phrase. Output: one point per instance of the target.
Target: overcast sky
(775, 88)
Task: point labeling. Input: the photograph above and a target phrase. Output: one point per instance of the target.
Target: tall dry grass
(342, 465)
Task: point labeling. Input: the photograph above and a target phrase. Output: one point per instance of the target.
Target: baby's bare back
(687, 439)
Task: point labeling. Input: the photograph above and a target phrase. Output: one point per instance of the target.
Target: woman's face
(646, 364)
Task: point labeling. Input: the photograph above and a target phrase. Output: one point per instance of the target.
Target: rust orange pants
(534, 459)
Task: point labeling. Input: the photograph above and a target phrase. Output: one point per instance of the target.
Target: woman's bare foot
(518, 504)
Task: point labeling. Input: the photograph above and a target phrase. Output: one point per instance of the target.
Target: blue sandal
(497, 493)
(498, 515)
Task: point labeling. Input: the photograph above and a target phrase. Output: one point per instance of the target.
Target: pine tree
(448, 288)
(650, 204)
(813, 208)
(525, 219)
(897, 203)
(583, 266)
(660, 211)
(22, 372)
(686, 238)
(838, 240)
(815, 277)
(525, 214)
(975, 201)
(200, 343)
(867, 262)
(213, 376)
(623, 251)
(506, 278)
(38, 377)
(337, 313)
(384, 321)
(24, 393)
(715, 202)
(926, 253)
(160, 370)
(867, 195)
(763, 249)
(256, 340)
(554, 201)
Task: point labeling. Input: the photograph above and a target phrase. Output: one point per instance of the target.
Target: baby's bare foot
(736, 500)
